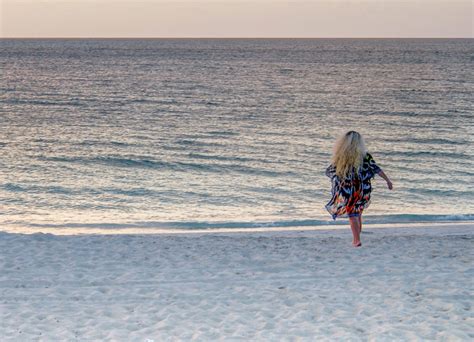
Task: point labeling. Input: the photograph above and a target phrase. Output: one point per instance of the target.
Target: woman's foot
(354, 221)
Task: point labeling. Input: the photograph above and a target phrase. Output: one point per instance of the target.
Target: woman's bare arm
(384, 176)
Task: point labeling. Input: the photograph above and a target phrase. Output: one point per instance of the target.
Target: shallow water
(229, 133)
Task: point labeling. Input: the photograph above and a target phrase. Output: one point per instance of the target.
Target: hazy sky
(236, 18)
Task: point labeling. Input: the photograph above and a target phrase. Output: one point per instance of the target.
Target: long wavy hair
(349, 153)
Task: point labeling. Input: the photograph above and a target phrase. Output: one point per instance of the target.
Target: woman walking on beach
(351, 170)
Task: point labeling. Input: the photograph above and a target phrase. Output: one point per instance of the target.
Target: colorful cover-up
(351, 195)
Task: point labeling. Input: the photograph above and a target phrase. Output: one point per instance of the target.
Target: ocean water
(184, 133)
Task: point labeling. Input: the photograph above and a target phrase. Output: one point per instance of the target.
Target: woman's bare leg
(360, 222)
(355, 227)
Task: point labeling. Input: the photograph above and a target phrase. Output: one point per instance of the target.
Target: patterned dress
(351, 195)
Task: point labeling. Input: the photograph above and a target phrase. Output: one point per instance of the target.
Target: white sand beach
(403, 284)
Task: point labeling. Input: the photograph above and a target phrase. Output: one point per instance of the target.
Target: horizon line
(184, 37)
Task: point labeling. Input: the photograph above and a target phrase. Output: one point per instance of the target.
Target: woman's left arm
(384, 176)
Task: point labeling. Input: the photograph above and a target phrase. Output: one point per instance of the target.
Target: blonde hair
(349, 153)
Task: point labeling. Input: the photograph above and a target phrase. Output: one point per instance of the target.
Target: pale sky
(237, 18)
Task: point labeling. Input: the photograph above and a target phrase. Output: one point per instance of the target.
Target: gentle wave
(386, 219)
(433, 141)
(63, 190)
(174, 166)
(38, 102)
(440, 154)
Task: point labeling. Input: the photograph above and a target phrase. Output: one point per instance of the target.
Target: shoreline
(453, 226)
